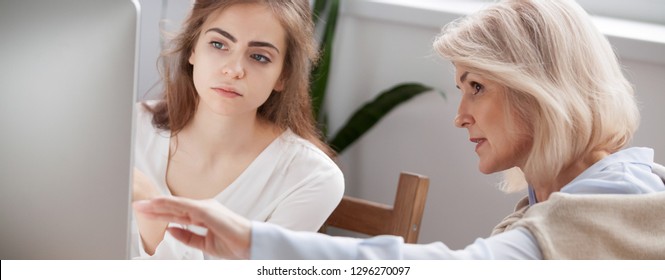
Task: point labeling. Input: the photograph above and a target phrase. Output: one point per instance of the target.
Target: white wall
(159, 18)
(381, 43)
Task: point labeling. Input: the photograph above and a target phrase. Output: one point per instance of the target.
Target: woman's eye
(260, 58)
(217, 45)
(477, 87)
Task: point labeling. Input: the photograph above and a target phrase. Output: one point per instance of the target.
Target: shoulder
(143, 108)
(563, 224)
(304, 160)
(143, 111)
(305, 152)
(627, 171)
(145, 131)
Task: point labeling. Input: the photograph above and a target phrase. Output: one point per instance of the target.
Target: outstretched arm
(228, 234)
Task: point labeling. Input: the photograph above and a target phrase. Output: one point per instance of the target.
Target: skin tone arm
(228, 235)
(152, 231)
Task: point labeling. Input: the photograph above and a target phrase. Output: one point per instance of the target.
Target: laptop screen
(67, 91)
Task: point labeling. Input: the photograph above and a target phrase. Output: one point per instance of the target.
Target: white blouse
(292, 183)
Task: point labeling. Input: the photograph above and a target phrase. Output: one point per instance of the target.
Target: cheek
(198, 76)
(522, 137)
(268, 79)
(521, 148)
(205, 66)
(511, 141)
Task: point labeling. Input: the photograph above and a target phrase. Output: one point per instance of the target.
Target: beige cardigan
(595, 226)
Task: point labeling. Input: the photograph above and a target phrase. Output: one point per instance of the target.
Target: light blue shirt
(625, 172)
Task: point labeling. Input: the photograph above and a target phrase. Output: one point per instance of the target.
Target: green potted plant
(365, 117)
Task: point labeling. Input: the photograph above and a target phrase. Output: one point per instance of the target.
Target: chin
(483, 170)
(487, 169)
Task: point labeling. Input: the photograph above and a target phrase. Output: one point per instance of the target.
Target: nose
(461, 121)
(233, 67)
(463, 118)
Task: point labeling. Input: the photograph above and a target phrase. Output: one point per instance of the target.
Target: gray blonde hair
(563, 79)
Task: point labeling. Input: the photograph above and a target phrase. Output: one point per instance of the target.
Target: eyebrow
(263, 44)
(233, 39)
(463, 78)
(223, 33)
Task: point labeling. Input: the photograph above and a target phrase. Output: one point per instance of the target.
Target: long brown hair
(290, 108)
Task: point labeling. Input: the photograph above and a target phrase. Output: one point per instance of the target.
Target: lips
(478, 141)
(227, 92)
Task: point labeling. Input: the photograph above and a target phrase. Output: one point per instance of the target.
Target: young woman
(542, 95)
(235, 124)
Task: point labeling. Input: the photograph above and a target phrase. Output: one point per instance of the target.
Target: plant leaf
(372, 112)
(318, 5)
(319, 74)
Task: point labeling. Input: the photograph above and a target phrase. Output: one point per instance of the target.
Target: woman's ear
(279, 86)
(191, 58)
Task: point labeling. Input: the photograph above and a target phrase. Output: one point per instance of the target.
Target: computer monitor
(67, 89)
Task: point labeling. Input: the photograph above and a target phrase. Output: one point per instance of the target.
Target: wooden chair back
(371, 218)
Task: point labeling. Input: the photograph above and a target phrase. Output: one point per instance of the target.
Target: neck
(210, 135)
(543, 190)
